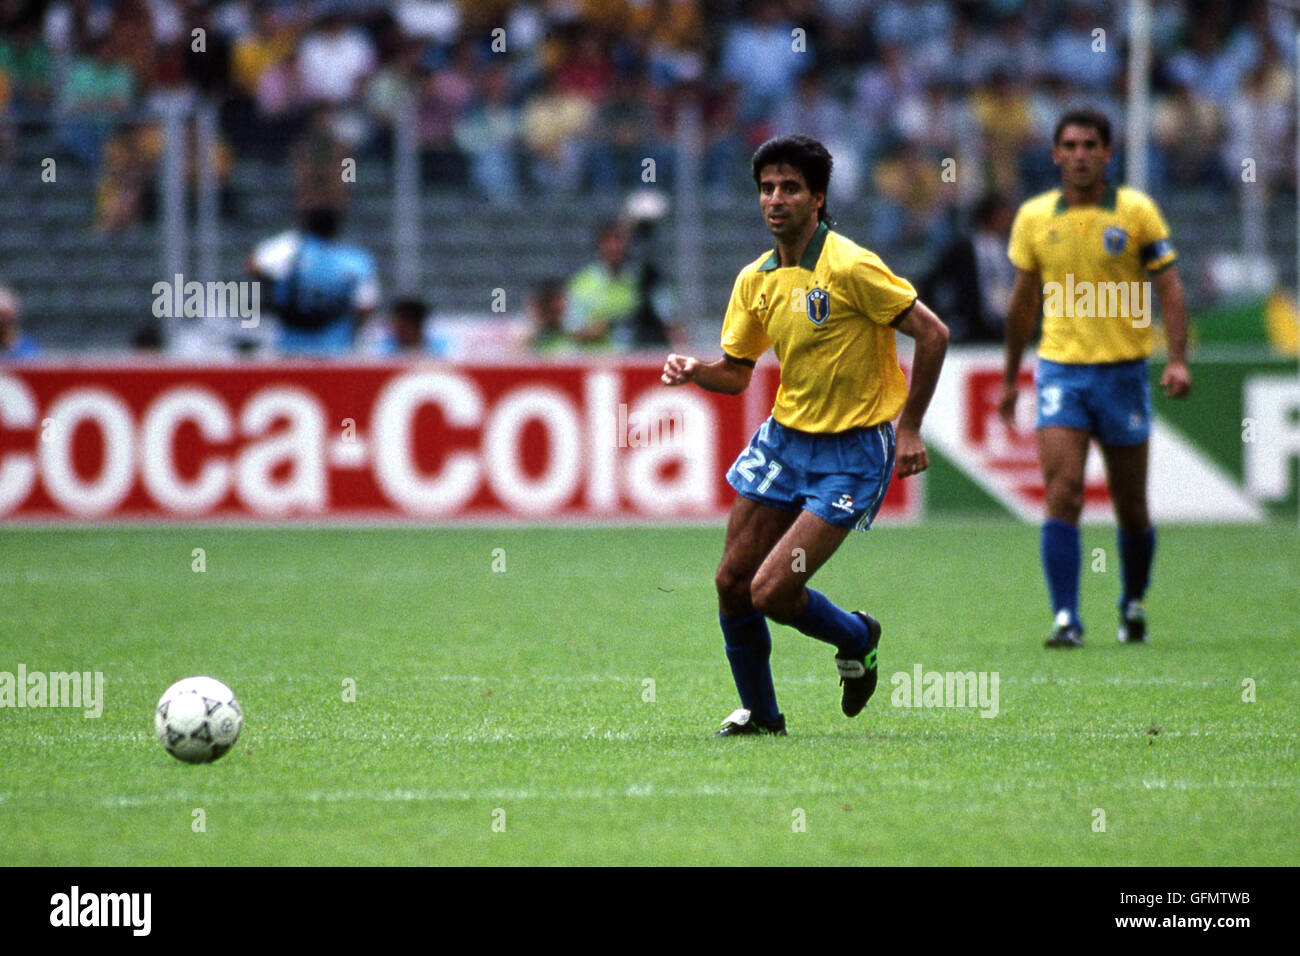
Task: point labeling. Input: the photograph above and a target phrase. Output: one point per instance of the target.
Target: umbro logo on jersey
(844, 503)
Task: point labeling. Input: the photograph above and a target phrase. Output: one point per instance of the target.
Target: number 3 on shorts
(1050, 401)
(756, 459)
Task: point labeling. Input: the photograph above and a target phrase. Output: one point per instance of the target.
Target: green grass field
(518, 698)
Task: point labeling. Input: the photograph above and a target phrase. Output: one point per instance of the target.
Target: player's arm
(931, 336)
(727, 375)
(1022, 316)
(1177, 379)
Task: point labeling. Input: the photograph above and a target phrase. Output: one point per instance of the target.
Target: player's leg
(1126, 472)
(780, 590)
(1063, 454)
(752, 531)
(1124, 430)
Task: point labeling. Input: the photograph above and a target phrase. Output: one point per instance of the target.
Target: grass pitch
(507, 716)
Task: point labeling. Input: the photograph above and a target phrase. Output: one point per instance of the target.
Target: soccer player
(817, 468)
(1082, 254)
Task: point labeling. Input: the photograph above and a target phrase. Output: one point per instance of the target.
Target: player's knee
(772, 598)
(1065, 495)
(733, 587)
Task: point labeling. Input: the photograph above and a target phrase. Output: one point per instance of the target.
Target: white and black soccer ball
(198, 719)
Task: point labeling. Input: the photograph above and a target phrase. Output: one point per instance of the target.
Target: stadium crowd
(513, 98)
(573, 95)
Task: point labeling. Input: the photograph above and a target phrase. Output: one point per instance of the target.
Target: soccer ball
(198, 719)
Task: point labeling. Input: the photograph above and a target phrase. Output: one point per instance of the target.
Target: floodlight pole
(1138, 129)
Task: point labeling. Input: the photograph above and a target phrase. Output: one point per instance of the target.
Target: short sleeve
(1019, 248)
(743, 335)
(876, 292)
(1154, 245)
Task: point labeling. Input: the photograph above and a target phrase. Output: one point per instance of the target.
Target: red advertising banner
(580, 441)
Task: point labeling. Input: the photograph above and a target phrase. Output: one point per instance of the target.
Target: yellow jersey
(829, 321)
(1093, 263)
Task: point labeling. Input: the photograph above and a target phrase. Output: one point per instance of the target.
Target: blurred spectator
(555, 124)
(970, 281)
(448, 88)
(1076, 53)
(318, 164)
(1259, 125)
(912, 201)
(760, 54)
(147, 340)
(333, 59)
(624, 137)
(14, 344)
(880, 87)
(602, 297)
(404, 331)
(1006, 127)
(269, 44)
(321, 287)
(97, 94)
(546, 310)
(487, 134)
(1185, 127)
(26, 66)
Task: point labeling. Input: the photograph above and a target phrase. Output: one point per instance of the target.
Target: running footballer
(819, 466)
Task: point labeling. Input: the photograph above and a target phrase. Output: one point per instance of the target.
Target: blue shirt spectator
(321, 288)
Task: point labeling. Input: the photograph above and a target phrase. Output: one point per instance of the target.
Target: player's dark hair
(805, 154)
(411, 308)
(322, 221)
(1090, 118)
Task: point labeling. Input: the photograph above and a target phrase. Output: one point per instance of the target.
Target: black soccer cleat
(858, 674)
(1133, 623)
(741, 723)
(1066, 633)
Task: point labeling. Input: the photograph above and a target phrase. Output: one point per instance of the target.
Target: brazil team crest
(1115, 239)
(819, 305)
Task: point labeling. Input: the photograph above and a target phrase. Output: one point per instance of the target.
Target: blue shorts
(842, 478)
(1111, 400)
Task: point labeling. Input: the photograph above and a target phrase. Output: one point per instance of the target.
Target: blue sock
(749, 647)
(826, 622)
(1135, 554)
(1059, 545)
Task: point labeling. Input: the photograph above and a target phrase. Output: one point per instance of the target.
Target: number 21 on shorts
(756, 459)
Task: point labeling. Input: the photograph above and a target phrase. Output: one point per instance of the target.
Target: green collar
(810, 255)
(1107, 200)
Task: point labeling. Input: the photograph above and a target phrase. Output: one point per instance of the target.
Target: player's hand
(1176, 380)
(909, 452)
(679, 369)
(1007, 406)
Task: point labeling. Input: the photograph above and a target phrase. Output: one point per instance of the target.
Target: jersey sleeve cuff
(897, 320)
(739, 361)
